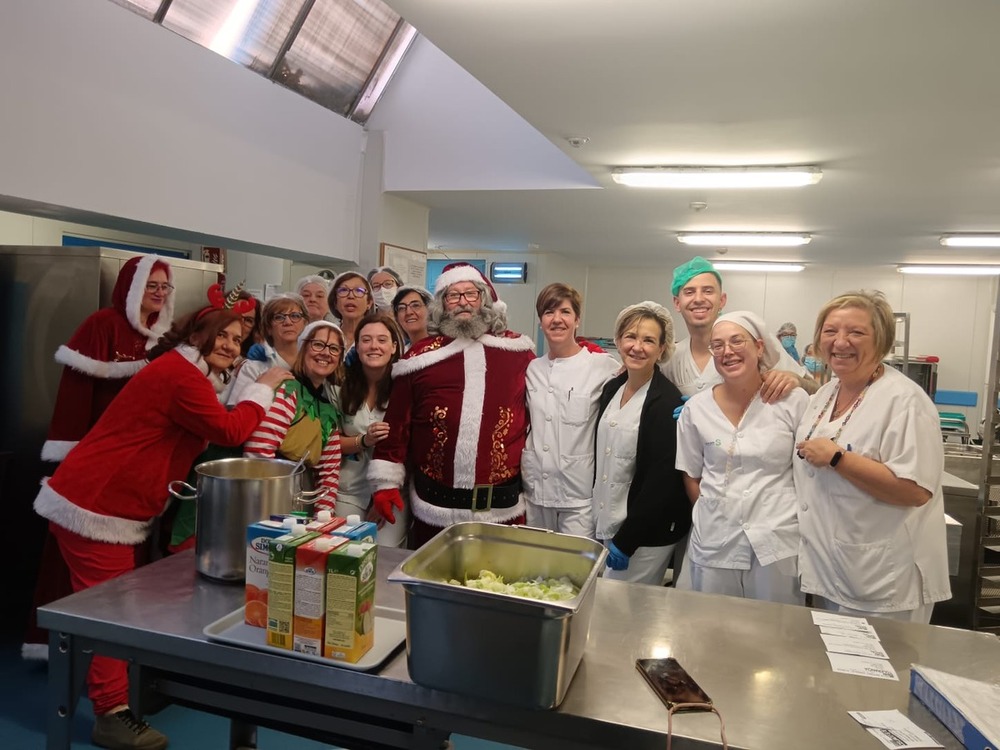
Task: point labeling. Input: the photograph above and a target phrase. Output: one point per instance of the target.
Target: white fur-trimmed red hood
(133, 302)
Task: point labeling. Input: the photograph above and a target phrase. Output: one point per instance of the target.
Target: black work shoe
(123, 731)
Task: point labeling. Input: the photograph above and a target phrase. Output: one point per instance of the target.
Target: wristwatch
(836, 458)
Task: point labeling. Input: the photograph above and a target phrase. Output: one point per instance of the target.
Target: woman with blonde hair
(639, 506)
(281, 321)
(868, 474)
(736, 454)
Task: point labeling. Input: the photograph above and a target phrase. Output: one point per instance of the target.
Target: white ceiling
(898, 101)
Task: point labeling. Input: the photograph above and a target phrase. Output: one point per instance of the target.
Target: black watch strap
(836, 458)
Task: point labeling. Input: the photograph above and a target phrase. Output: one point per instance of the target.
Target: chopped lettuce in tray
(546, 589)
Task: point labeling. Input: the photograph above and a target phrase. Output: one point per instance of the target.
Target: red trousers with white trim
(92, 562)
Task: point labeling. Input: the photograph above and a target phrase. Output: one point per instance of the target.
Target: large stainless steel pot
(233, 493)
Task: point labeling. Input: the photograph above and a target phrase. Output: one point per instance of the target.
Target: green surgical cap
(694, 267)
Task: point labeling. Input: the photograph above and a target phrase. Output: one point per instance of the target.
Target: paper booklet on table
(968, 708)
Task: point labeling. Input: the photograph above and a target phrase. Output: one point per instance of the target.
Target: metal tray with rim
(390, 634)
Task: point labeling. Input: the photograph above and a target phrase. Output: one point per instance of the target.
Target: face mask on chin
(384, 297)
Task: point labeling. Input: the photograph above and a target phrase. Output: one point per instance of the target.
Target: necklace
(850, 412)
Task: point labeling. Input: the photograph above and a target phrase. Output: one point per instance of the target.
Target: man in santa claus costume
(457, 417)
(106, 350)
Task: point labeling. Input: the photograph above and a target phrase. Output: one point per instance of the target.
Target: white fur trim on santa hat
(52, 506)
(465, 273)
(57, 450)
(97, 368)
(133, 301)
(435, 515)
(386, 475)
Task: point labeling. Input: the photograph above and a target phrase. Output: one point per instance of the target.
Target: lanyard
(847, 417)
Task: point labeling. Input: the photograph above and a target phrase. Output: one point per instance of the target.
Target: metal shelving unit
(986, 574)
(902, 341)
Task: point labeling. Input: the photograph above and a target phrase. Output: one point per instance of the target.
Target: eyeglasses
(358, 291)
(318, 346)
(736, 344)
(414, 306)
(295, 317)
(390, 284)
(470, 296)
(164, 287)
(249, 320)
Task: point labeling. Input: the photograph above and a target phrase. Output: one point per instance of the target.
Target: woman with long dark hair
(102, 500)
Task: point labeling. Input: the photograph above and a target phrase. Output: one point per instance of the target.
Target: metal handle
(309, 497)
(185, 485)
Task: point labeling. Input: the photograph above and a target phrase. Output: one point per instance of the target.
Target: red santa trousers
(92, 562)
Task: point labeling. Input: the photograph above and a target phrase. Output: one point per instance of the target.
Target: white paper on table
(862, 666)
(840, 621)
(858, 646)
(894, 730)
(869, 634)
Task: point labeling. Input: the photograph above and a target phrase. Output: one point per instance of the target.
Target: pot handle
(309, 497)
(185, 485)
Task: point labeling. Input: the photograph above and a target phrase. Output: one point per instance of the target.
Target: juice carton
(258, 545)
(325, 523)
(281, 585)
(310, 594)
(350, 601)
(357, 530)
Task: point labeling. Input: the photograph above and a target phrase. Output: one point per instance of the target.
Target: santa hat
(456, 272)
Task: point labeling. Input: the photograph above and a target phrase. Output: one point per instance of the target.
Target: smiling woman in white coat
(871, 509)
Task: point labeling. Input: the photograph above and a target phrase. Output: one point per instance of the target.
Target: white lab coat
(757, 513)
(682, 371)
(860, 552)
(617, 440)
(557, 465)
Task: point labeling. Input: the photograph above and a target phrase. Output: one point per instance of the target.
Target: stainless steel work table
(763, 664)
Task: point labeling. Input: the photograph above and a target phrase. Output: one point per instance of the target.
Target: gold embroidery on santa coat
(433, 467)
(499, 470)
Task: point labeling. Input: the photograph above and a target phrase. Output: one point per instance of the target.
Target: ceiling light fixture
(744, 239)
(941, 270)
(971, 240)
(717, 177)
(738, 265)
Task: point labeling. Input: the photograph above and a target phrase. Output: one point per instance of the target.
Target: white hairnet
(757, 329)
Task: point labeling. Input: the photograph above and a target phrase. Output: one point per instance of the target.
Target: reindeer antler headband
(219, 300)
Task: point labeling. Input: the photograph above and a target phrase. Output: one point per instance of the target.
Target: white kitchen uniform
(682, 370)
(744, 523)
(557, 465)
(859, 552)
(355, 493)
(617, 438)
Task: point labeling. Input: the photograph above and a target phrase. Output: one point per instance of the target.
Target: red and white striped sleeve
(266, 439)
(329, 472)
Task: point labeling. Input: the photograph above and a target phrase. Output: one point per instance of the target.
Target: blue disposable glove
(679, 409)
(257, 353)
(351, 356)
(617, 560)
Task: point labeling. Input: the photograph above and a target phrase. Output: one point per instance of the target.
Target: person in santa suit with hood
(106, 350)
(457, 416)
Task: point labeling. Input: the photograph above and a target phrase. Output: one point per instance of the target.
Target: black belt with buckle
(480, 498)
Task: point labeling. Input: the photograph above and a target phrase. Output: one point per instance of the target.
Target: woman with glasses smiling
(350, 299)
(303, 421)
(410, 307)
(735, 452)
(282, 320)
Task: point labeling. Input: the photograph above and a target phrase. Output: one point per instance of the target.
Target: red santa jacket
(457, 414)
(114, 482)
(108, 348)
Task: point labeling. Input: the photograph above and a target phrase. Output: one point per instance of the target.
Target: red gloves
(385, 500)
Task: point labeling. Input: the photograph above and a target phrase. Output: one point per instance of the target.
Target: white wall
(106, 112)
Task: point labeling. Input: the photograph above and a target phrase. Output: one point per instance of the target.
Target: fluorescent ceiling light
(717, 177)
(939, 270)
(737, 265)
(744, 239)
(971, 240)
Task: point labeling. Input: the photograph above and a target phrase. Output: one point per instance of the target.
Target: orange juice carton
(281, 584)
(310, 593)
(258, 546)
(357, 530)
(350, 601)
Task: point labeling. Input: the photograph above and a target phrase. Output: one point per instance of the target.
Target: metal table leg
(242, 736)
(67, 673)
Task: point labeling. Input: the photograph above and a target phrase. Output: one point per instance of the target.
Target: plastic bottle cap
(298, 529)
(323, 544)
(353, 519)
(289, 523)
(323, 516)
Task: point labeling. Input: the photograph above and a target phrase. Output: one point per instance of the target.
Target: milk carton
(281, 584)
(350, 601)
(310, 593)
(358, 530)
(258, 547)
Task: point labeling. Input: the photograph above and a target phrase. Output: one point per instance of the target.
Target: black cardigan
(658, 511)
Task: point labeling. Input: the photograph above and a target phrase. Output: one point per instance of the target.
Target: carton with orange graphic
(310, 594)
